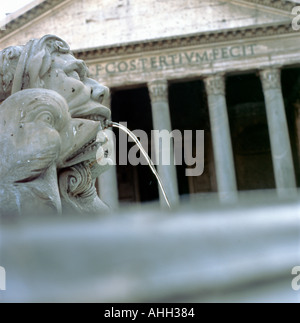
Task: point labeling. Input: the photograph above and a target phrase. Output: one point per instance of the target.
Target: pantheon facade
(230, 68)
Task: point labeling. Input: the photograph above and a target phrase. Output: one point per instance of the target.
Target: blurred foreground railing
(201, 252)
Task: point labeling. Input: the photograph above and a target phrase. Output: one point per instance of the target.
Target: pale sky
(10, 6)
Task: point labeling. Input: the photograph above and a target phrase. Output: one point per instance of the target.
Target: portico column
(222, 148)
(158, 91)
(279, 136)
(107, 181)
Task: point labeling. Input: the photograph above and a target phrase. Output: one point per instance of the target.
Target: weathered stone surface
(135, 47)
(188, 61)
(37, 136)
(225, 171)
(72, 143)
(158, 91)
(115, 22)
(279, 135)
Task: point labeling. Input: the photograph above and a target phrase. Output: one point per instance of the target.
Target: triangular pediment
(92, 23)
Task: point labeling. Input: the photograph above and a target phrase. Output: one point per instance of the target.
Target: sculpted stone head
(37, 130)
(64, 133)
(48, 63)
(37, 135)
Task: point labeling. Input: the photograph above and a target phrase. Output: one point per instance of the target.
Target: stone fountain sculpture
(50, 117)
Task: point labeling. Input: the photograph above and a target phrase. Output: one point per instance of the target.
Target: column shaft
(107, 181)
(158, 91)
(222, 148)
(279, 135)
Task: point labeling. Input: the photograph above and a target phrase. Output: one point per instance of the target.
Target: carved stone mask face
(37, 131)
(68, 76)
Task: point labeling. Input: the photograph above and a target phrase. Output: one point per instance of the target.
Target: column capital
(270, 78)
(215, 84)
(158, 90)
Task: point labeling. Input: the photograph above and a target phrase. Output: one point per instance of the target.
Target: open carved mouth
(98, 113)
(84, 153)
(94, 117)
(86, 150)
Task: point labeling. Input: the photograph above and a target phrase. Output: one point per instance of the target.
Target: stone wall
(90, 23)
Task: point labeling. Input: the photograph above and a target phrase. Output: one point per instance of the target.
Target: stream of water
(150, 163)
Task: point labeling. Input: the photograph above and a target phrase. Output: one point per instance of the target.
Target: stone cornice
(283, 5)
(185, 41)
(171, 42)
(29, 15)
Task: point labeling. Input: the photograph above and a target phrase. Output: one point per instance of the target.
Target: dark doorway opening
(135, 183)
(188, 109)
(290, 80)
(249, 132)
